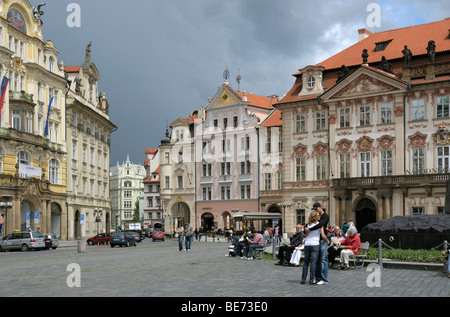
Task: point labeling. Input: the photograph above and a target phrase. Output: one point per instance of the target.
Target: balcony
(391, 181)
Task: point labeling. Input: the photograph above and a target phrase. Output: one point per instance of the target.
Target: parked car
(101, 238)
(149, 232)
(136, 235)
(51, 241)
(122, 238)
(25, 240)
(158, 235)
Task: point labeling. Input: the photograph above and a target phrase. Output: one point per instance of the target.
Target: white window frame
(365, 163)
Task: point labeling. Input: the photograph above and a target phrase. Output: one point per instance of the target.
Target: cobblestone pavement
(159, 269)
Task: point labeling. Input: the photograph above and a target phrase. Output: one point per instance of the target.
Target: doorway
(366, 213)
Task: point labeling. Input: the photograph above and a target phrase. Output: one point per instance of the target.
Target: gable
(364, 82)
(223, 98)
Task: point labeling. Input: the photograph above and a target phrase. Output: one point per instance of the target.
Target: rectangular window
(320, 120)
(321, 167)
(418, 160)
(300, 123)
(16, 119)
(268, 144)
(301, 216)
(365, 164)
(344, 165)
(279, 180)
(344, 118)
(442, 107)
(167, 182)
(235, 122)
(267, 181)
(29, 121)
(386, 112)
(364, 115)
(417, 211)
(386, 162)
(180, 181)
(167, 157)
(443, 159)
(417, 109)
(300, 169)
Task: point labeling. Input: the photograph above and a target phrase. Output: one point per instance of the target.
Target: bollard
(380, 254)
(81, 247)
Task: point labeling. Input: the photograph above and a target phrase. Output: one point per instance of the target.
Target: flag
(3, 93)
(48, 114)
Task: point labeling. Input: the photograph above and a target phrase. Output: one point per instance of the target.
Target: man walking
(188, 233)
(322, 260)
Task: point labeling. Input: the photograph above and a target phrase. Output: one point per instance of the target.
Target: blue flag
(48, 114)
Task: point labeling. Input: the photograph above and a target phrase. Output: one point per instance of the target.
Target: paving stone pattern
(159, 269)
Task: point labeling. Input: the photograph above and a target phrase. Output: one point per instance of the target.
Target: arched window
(51, 63)
(53, 171)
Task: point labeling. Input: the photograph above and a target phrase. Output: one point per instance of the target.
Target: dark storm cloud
(160, 60)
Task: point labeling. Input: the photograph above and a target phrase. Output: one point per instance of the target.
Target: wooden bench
(359, 259)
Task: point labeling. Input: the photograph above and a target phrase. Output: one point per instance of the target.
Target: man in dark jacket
(285, 251)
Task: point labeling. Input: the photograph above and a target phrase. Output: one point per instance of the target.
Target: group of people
(245, 246)
(185, 233)
(319, 247)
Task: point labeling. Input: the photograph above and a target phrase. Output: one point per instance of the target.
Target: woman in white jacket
(312, 247)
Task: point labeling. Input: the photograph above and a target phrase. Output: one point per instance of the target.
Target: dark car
(51, 241)
(122, 238)
(101, 238)
(158, 235)
(136, 235)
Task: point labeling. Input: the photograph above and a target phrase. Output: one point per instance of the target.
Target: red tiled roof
(72, 69)
(151, 151)
(273, 120)
(415, 37)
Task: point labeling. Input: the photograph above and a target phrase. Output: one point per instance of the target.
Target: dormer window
(311, 81)
(381, 46)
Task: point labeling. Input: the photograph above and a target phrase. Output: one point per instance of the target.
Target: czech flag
(48, 114)
(3, 93)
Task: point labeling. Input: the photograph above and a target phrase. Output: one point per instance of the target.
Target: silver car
(24, 241)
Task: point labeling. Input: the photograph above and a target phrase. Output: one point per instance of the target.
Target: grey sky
(161, 59)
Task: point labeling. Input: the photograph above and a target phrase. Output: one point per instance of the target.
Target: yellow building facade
(32, 134)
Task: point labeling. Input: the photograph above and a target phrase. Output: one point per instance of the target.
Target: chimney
(364, 33)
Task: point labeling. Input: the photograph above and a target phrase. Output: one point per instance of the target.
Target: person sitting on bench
(256, 242)
(285, 251)
(350, 246)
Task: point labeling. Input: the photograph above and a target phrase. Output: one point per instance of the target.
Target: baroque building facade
(177, 173)
(227, 156)
(151, 204)
(126, 185)
(365, 132)
(32, 134)
(88, 150)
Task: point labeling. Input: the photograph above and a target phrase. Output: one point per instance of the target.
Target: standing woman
(312, 247)
(180, 233)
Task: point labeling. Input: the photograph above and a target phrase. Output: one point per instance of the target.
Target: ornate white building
(365, 132)
(88, 151)
(126, 184)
